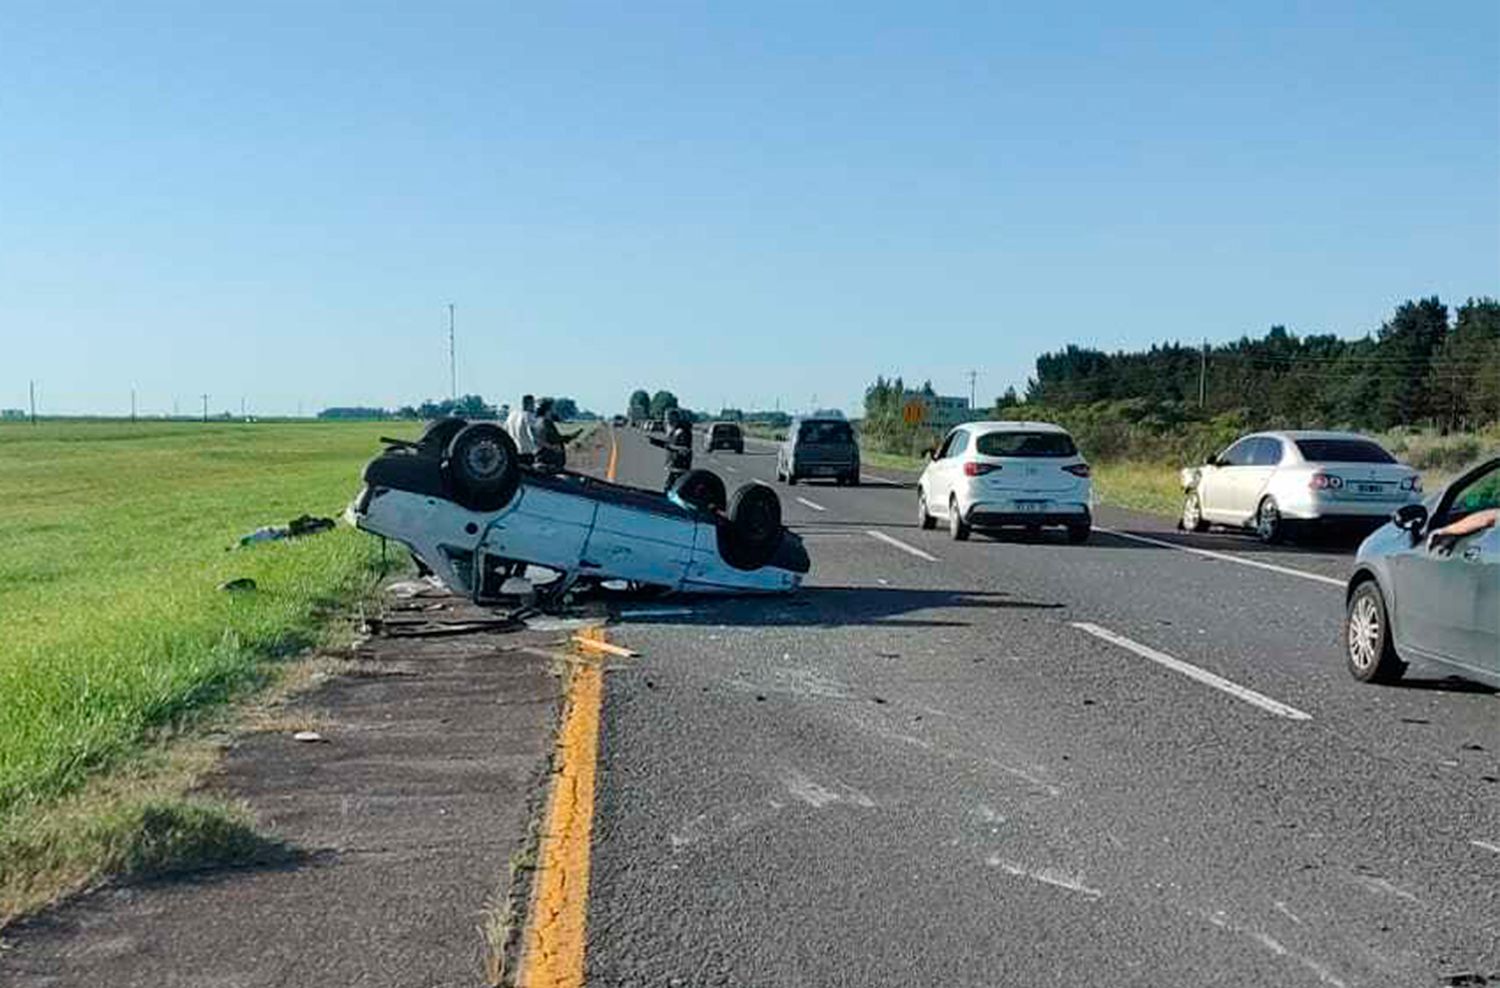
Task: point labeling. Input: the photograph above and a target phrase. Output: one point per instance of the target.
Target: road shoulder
(398, 828)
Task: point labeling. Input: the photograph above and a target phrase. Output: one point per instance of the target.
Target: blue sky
(744, 203)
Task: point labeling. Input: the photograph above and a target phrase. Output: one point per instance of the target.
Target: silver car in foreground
(1279, 482)
(1006, 474)
(1416, 596)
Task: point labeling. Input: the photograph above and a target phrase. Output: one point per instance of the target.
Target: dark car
(723, 435)
(818, 447)
(1413, 597)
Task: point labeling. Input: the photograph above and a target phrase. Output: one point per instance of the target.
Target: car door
(1265, 456)
(1448, 603)
(1216, 483)
(940, 475)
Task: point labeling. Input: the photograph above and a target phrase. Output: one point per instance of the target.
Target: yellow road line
(614, 456)
(553, 949)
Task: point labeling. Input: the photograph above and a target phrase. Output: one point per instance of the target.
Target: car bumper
(1343, 512)
(998, 514)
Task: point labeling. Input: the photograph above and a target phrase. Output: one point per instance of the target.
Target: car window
(942, 450)
(825, 433)
(1476, 495)
(1238, 455)
(958, 443)
(1267, 452)
(1039, 444)
(1342, 451)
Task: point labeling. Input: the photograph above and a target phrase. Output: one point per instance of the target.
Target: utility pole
(242, 408)
(32, 385)
(132, 404)
(452, 361)
(205, 408)
(973, 381)
(1203, 374)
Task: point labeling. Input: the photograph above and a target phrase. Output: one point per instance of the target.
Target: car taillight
(1412, 484)
(972, 469)
(1079, 469)
(1325, 482)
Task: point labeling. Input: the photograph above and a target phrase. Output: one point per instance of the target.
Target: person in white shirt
(522, 426)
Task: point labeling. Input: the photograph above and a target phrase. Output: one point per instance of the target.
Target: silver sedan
(1279, 482)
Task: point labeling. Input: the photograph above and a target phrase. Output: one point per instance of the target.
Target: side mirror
(1212, 460)
(1411, 518)
(930, 453)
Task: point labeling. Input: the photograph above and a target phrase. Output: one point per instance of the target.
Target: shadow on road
(831, 607)
(1448, 684)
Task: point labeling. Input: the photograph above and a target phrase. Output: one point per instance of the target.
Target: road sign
(914, 412)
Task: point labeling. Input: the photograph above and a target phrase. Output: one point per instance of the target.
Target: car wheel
(1268, 524)
(439, 435)
(1192, 513)
(754, 530)
(791, 479)
(482, 468)
(1368, 648)
(1079, 534)
(958, 529)
(853, 479)
(924, 517)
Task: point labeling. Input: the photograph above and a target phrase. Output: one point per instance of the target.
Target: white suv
(994, 474)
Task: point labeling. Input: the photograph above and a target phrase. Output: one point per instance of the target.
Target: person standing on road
(678, 444)
(551, 443)
(522, 425)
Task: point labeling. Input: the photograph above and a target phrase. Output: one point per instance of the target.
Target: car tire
(482, 468)
(1269, 526)
(754, 530)
(702, 489)
(925, 521)
(1192, 514)
(791, 479)
(1369, 651)
(1079, 534)
(958, 529)
(852, 479)
(438, 435)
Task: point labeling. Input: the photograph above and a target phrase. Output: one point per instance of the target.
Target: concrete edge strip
(1223, 557)
(556, 932)
(1193, 672)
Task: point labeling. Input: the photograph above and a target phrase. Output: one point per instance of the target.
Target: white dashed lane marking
(888, 540)
(810, 504)
(1224, 557)
(1193, 672)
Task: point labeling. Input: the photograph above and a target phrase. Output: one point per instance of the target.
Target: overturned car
(463, 502)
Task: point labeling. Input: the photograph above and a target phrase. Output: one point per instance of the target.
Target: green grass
(113, 539)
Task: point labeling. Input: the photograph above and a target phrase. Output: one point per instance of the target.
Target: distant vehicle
(1006, 474)
(462, 502)
(1281, 482)
(1408, 599)
(618, 421)
(723, 435)
(819, 446)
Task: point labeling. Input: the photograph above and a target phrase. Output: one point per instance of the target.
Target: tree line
(1427, 365)
(465, 406)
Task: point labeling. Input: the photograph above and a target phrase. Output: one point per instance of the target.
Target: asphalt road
(977, 764)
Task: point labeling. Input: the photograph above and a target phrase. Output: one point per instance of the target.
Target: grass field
(113, 540)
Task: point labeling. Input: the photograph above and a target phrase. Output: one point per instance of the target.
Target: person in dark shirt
(551, 452)
(678, 444)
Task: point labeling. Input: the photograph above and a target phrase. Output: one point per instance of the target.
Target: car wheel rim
(484, 460)
(1190, 513)
(1267, 520)
(1364, 633)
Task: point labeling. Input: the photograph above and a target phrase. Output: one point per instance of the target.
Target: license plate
(826, 471)
(1025, 506)
(1371, 489)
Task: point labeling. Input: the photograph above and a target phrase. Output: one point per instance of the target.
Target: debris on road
(309, 736)
(296, 528)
